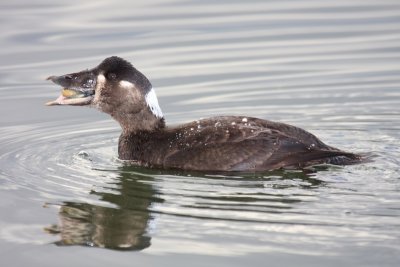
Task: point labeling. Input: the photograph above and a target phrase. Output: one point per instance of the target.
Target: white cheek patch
(101, 80)
(126, 85)
(152, 102)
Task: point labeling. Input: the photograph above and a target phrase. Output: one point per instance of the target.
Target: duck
(221, 143)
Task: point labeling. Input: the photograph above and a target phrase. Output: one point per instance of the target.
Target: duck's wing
(226, 156)
(247, 148)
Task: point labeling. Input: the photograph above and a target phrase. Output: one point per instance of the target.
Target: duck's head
(114, 87)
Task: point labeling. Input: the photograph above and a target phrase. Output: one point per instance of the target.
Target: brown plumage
(215, 144)
(230, 144)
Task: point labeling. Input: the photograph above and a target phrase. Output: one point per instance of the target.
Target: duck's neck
(145, 115)
(133, 139)
(139, 122)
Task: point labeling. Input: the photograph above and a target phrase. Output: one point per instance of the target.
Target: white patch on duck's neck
(152, 102)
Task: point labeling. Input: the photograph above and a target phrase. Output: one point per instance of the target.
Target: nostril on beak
(68, 77)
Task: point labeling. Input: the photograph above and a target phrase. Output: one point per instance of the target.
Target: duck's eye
(111, 76)
(88, 83)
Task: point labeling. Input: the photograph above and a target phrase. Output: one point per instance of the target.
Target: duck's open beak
(78, 88)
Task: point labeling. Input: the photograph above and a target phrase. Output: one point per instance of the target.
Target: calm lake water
(330, 67)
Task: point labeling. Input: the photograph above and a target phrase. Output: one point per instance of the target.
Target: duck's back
(238, 144)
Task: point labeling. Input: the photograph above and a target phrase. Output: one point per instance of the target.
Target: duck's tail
(348, 159)
(341, 158)
(334, 157)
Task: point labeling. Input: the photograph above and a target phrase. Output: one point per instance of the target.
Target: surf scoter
(226, 143)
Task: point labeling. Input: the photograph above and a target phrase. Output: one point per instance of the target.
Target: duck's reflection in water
(125, 227)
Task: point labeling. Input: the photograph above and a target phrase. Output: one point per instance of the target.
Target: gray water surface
(330, 67)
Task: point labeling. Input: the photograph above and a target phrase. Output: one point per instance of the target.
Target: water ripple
(330, 68)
